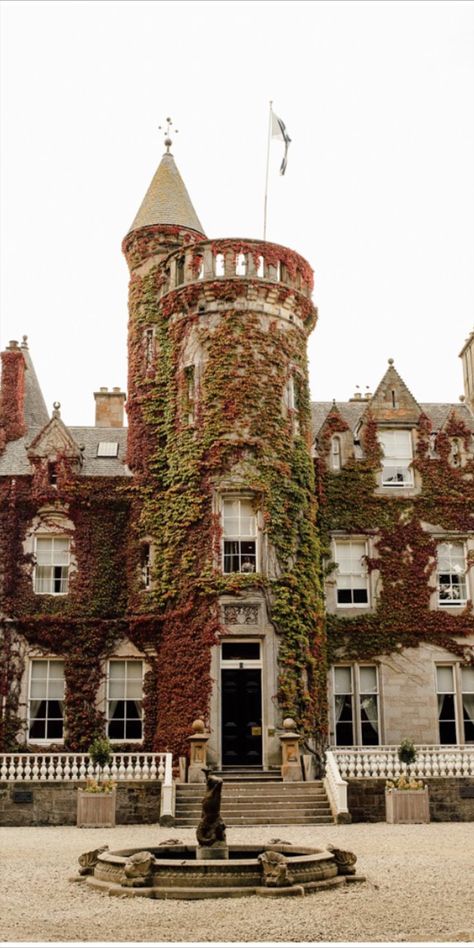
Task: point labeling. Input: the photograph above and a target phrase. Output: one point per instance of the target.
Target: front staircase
(251, 798)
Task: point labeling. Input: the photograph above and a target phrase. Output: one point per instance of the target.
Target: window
(53, 473)
(220, 265)
(149, 340)
(456, 455)
(189, 394)
(467, 696)
(51, 573)
(46, 700)
(290, 394)
(351, 576)
(179, 271)
(336, 453)
(124, 700)
(452, 586)
(397, 457)
(455, 691)
(145, 565)
(240, 536)
(356, 706)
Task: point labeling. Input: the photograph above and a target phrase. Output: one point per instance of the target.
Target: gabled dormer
(55, 445)
(392, 401)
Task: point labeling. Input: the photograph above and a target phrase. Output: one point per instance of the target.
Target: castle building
(236, 553)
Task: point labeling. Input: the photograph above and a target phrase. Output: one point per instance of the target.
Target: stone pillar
(290, 752)
(197, 752)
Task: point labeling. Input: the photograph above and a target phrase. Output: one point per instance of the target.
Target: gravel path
(420, 887)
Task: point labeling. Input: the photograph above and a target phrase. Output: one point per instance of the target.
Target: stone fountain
(213, 869)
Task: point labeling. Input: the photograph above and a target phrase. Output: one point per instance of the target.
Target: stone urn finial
(290, 752)
(197, 751)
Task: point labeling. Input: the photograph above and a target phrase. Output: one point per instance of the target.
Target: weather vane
(168, 141)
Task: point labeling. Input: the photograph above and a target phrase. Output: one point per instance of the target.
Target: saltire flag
(279, 131)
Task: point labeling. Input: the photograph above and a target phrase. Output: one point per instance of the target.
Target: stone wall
(47, 804)
(451, 799)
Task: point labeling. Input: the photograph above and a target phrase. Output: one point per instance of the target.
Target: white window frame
(47, 679)
(458, 692)
(124, 698)
(336, 453)
(63, 580)
(239, 537)
(363, 574)
(357, 695)
(396, 461)
(452, 601)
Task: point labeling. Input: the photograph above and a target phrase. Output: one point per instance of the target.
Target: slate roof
(36, 412)
(167, 200)
(14, 460)
(352, 412)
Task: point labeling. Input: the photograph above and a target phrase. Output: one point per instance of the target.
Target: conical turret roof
(167, 200)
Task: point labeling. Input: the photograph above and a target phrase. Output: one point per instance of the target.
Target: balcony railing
(50, 768)
(432, 760)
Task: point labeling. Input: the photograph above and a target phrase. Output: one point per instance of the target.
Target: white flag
(279, 131)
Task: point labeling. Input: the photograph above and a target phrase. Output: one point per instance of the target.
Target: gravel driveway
(420, 887)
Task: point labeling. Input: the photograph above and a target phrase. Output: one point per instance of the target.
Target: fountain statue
(210, 832)
(173, 869)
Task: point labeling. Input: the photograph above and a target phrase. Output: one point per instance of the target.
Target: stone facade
(46, 804)
(450, 799)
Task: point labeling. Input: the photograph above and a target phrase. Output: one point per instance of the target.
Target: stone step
(270, 789)
(284, 820)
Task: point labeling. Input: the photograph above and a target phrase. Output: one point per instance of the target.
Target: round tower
(230, 616)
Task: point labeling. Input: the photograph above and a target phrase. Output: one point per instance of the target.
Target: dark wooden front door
(241, 716)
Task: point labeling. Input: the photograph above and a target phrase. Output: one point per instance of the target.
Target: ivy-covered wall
(405, 531)
(241, 440)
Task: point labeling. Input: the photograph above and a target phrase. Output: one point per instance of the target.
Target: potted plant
(406, 799)
(96, 801)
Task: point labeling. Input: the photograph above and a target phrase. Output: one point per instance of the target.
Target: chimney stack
(467, 356)
(12, 392)
(109, 408)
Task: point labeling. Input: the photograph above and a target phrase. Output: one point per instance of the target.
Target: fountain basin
(176, 873)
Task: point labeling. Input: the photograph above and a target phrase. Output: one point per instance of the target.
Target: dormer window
(107, 449)
(239, 536)
(397, 457)
(53, 473)
(336, 453)
(456, 455)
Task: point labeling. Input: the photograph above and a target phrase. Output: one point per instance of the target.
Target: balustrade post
(197, 752)
(290, 752)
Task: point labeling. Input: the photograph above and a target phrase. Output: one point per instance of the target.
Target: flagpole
(266, 175)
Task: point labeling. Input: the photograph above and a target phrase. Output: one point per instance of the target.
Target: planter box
(407, 806)
(96, 809)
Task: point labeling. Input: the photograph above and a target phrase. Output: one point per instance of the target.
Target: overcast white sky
(378, 98)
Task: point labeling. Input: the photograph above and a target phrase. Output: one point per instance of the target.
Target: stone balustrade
(432, 760)
(336, 789)
(65, 767)
(233, 259)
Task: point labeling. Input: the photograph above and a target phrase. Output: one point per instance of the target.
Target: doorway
(241, 694)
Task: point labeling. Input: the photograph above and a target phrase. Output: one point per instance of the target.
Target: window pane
(467, 678)
(117, 669)
(56, 689)
(134, 689)
(135, 670)
(343, 680)
(39, 669)
(116, 688)
(444, 677)
(361, 597)
(56, 669)
(368, 678)
(242, 650)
